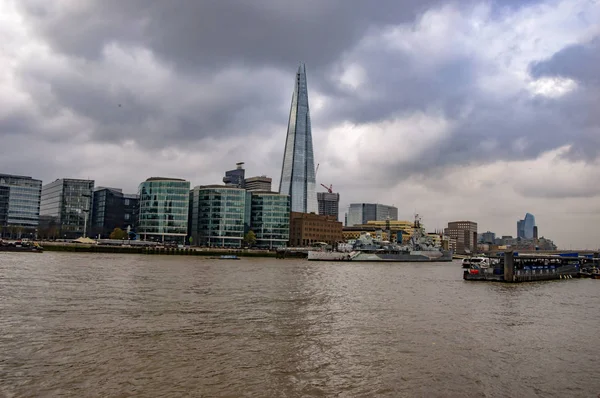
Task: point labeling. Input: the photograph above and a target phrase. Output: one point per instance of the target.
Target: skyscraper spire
(298, 170)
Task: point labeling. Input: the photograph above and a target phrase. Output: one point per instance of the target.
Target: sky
(472, 110)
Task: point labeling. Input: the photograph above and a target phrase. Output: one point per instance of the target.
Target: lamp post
(85, 211)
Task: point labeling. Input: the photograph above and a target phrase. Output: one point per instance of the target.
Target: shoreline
(83, 248)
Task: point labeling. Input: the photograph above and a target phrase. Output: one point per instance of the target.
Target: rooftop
(165, 179)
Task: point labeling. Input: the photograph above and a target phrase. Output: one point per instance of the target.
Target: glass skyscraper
(19, 205)
(164, 209)
(525, 227)
(298, 170)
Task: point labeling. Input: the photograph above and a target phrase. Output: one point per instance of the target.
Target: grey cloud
(196, 34)
(580, 62)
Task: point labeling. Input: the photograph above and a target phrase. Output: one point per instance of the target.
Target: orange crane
(328, 188)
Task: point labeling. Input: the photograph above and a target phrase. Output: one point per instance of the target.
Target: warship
(419, 248)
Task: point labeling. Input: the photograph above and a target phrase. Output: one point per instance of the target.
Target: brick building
(306, 229)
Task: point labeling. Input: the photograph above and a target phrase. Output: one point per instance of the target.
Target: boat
(228, 257)
(20, 246)
(420, 248)
(466, 262)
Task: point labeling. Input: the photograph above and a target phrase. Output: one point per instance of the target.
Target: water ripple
(94, 325)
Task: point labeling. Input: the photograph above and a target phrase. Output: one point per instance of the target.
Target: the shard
(298, 171)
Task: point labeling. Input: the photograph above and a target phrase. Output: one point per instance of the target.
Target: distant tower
(236, 176)
(298, 170)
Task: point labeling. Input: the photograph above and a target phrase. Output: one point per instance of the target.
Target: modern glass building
(113, 209)
(298, 171)
(163, 207)
(65, 206)
(270, 219)
(361, 213)
(218, 215)
(19, 205)
(525, 227)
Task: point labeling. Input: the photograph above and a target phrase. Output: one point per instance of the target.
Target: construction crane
(317, 169)
(328, 188)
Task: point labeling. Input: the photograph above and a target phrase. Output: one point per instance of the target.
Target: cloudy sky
(479, 110)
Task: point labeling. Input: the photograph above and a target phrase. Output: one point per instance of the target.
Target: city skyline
(471, 110)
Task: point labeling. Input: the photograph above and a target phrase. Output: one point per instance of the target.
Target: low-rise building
(260, 183)
(113, 209)
(309, 228)
(64, 208)
(270, 219)
(219, 215)
(19, 205)
(163, 212)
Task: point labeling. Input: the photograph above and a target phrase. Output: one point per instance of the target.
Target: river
(91, 325)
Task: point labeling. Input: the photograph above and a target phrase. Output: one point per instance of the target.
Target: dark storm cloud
(198, 34)
(581, 63)
(196, 40)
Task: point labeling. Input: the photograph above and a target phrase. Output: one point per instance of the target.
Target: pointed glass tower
(298, 171)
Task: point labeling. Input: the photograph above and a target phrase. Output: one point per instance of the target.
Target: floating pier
(513, 267)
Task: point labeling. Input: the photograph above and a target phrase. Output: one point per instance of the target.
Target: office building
(219, 215)
(525, 227)
(163, 214)
(298, 169)
(65, 207)
(488, 237)
(465, 234)
(113, 209)
(236, 176)
(261, 183)
(270, 219)
(361, 213)
(19, 206)
(329, 204)
(308, 229)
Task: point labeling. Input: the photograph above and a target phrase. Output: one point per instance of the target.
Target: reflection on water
(110, 325)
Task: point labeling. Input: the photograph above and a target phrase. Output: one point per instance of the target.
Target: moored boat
(20, 246)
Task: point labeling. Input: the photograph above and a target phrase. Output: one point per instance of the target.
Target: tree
(250, 238)
(118, 233)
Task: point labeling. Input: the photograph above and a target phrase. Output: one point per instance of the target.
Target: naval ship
(419, 248)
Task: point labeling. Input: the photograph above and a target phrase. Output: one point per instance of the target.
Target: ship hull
(20, 249)
(412, 257)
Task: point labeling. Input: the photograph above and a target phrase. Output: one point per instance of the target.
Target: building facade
(465, 234)
(270, 219)
(113, 209)
(163, 209)
(19, 206)
(308, 229)
(261, 183)
(235, 177)
(298, 179)
(329, 204)
(219, 215)
(525, 227)
(65, 207)
(488, 237)
(361, 213)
